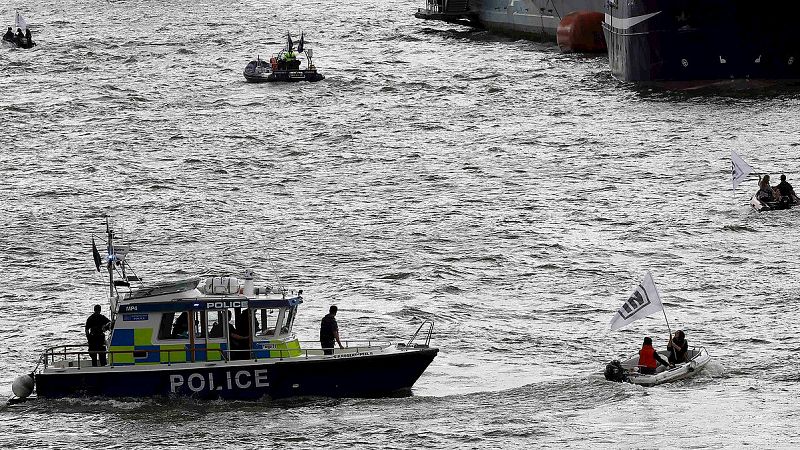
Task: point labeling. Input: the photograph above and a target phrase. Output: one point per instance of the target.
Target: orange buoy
(581, 32)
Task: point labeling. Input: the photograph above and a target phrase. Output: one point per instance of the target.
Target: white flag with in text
(643, 302)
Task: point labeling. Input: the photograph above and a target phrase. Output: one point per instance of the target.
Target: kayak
(628, 370)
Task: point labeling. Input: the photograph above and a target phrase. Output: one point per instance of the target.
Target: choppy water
(511, 193)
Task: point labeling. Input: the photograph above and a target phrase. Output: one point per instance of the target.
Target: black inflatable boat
(761, 206)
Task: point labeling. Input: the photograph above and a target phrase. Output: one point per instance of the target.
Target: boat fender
(581, 32)
(23, 385)
(615, 372)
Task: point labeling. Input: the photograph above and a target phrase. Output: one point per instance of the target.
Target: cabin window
(199, 319)
(216, 324)
(287, 322)
(268, 319)
(243, 323)
(174, 326)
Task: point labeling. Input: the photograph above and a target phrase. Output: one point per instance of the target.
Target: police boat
(628, 370)
(285, 67)
(217, 337)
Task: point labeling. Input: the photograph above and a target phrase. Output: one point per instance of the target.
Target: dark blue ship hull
(380, 374)
(702, 41)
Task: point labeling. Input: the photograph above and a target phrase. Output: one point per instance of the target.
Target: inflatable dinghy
(760, 206)
(628, 370)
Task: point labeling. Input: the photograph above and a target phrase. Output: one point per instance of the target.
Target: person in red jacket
(649, 359)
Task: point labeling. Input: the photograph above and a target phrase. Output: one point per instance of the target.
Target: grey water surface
(510, 193)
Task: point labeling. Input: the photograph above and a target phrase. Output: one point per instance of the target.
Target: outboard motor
(615, 372)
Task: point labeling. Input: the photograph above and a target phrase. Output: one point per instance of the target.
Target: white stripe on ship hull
(624, 24)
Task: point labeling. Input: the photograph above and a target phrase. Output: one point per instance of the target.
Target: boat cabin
(183, 321)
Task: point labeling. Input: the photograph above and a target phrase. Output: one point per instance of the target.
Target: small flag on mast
(740, 169)
(300, 45)
(96, 254)
(643, 302)
(289, 43)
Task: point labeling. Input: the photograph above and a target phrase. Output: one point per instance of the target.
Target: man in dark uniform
(96, 325)
(329, 331)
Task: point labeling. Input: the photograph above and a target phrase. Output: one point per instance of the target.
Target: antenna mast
(110, 257)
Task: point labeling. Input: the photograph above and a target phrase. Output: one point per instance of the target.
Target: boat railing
(427, 334)
(350, 346)
(64, 352)
(77, 352)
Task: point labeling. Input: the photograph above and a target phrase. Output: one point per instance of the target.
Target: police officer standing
(96, 325)
(329, 331)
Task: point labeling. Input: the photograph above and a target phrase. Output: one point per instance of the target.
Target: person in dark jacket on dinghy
(649, 359)
(9, 36)
(786, 190)
(678, 347)
(19, 38)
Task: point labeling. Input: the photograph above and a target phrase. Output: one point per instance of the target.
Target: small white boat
(628, 370)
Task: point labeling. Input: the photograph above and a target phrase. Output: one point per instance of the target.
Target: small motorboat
(216, 337)
(285, 67)
(628, 370)
(760, 206)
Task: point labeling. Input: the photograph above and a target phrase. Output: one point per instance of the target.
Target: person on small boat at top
(9, 36)
(649, 358)
(29, 38)
(96, 325)
(785, 189)
(678, 347)
(765, 192)
(329, 331)
(19, 37)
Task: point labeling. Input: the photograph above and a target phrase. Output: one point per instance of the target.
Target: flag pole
(663, 309)
(666, 320)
